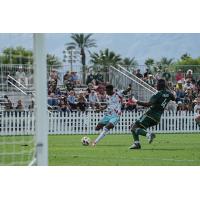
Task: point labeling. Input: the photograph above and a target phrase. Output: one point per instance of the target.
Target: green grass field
(166, 150)
(67, 150)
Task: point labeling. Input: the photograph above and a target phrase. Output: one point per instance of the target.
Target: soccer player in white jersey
(197, 111)
(113, 112)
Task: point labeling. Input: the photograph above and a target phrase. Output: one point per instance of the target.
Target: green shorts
(146, 121)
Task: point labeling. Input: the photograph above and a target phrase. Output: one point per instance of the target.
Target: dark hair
(109, 87)
(5, 96)
(161, 84)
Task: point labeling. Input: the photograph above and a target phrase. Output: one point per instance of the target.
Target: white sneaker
(150, 137)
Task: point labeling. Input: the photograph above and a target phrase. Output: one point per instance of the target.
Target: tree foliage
(129, 63)
(104, 59)
(20, 55)
(83, 42)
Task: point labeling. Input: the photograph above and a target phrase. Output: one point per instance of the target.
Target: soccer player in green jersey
(152, 116)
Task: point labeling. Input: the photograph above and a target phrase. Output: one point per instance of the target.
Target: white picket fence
(23, 123)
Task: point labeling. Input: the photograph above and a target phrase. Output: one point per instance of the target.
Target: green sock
(137, 132)
(141, 131)
(135, 136)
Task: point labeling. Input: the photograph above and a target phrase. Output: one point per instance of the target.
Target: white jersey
(197, 110)
(114, 103)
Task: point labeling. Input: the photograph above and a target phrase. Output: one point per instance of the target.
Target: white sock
(136, 142)
(101, 135)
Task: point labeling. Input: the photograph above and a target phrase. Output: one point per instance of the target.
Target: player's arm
(145, 104)
(151, 101)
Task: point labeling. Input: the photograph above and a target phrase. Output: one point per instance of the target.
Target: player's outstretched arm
(145, 104)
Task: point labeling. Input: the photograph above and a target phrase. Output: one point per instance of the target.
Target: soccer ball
(85, 141)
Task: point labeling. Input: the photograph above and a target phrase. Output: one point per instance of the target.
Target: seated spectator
(100, 89)
(90, 87)
(102, 97)
(189, 75)
(8, 103)
(93, 100)
(51, 89)
(53, 84)
(90, 77)
(20, 76)
(151, 80)
(180, 106)
(170, 85)
(134, 72)
(131, 104)
(188, 102)
(99, 77)
(147, 73)
(179, 85)
(180, 95)
(19, 106)
(57, 92)
(198, 86)
(188, 85)
(166, 75)
(74, 78)
(53, 75)
(66, 77)
(69, 85)
(158, 75)
(52, 100)
(29, 79)
(171, 106)
(197, 110)
(63, 106)
(179, 76)
(138, 74)
(71, 99)
(82, 102)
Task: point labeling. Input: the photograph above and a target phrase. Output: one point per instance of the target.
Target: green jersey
(159, 101)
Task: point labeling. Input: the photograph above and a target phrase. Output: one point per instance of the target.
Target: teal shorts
(113, 119)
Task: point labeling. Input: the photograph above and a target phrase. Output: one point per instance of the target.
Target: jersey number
(164, 103)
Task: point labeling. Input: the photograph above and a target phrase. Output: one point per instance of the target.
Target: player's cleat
(150, 137)
(135, 146)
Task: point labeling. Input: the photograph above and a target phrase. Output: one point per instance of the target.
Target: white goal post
(41, 115)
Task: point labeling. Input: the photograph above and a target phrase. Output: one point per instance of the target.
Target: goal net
(20, 140)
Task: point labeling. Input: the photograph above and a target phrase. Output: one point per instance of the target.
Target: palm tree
(129, 63)
(105, 59)
(164, 62)
(149, 62)
(185, 56)
(82, 41)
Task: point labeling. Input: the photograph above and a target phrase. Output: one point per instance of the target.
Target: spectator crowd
(73, 96)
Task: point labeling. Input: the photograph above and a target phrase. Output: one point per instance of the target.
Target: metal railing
(121, 78)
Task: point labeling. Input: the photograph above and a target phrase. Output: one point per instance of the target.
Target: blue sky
(138, 45)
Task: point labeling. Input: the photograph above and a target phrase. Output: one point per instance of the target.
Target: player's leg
(101, 135)
(101, 125)
(139, 128)
(108, 123)
(136, 142)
